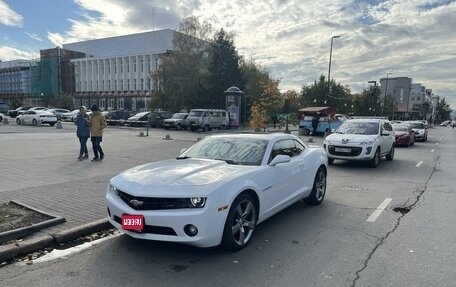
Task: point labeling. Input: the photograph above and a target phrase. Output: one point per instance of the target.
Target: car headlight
(113, 190)
(197, 202)
(368, 142)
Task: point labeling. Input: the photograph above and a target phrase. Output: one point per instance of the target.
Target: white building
(116, 72)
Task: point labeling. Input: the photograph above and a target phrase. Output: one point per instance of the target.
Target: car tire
(18, 121)
(34, 122)
(319, 188)
(376, 159)
(178, 127)
(51, 124)
(240, 223)
(330, 160)
(306, 132)
(206, 128)
(390, 155)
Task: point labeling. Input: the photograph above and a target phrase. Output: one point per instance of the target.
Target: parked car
(326, 122)
(405, 136)
(58, 112)
(178, 121)
(14, 113)
(118, 117)
(420, 129)
(2, 117)
(32, 109)
(140, 119)
(218, 190)
(207, 119)
(445, 123)
(361, 140)
(33, 117)
(4, 108)
(70, 116)
(157, 118)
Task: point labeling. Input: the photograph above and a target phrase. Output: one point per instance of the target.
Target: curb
(10, 251)
(27, 230)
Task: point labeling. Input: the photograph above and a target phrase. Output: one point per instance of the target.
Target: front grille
(354, 151)
(152, 203)
(152, 229)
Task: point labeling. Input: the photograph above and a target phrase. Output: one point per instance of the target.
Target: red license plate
(132, 222)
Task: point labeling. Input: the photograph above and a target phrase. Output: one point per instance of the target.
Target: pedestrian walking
(83, 132)
(314, 124)
(97, 124)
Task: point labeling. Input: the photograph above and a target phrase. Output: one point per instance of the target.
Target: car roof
(270, 136)
(366, 120)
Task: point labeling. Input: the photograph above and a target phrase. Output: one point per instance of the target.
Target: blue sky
(291, 38)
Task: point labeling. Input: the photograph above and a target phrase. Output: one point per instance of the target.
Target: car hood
(177, 173)
(172, 120)
(349, 138)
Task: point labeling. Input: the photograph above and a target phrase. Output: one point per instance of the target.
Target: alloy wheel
(243, 222)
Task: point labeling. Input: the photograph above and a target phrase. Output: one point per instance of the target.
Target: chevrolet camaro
(218, 190)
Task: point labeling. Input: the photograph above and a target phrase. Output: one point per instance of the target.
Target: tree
(253, 75)
(182, 76)
(291, 101)
(317, 95)
(224, 68)
(443, 111)
(270, 103)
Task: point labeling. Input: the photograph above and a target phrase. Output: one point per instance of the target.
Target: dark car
(140, 119)
(157, 119)
(117, 117)
(14, 113)
(4, 108)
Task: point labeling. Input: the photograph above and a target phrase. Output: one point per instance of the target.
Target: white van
(207, 119)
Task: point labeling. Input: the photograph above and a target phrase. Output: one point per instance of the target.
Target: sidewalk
(39, 168)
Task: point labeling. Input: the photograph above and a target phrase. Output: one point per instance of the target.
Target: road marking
(419, 163)
(57, 254)
(433, 150)
(379, 210)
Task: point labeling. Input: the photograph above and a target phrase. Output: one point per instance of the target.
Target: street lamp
(386, 89)
(146, 109)
(329, 69)
(373, 94)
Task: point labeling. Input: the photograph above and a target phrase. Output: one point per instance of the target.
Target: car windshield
(417, 125)
(178, 116)
(195, 114)
(241, 151)
(363, 128)
(400, 128)
(139, 115)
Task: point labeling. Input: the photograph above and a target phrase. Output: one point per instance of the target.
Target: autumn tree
(269, 104)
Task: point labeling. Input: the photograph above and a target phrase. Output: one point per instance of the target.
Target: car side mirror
(280, 159)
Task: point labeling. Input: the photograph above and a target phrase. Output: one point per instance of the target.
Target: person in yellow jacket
(97, 124)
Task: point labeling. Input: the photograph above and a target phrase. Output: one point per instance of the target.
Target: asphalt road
(411, 243)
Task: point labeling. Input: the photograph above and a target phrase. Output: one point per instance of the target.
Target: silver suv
(366, 139)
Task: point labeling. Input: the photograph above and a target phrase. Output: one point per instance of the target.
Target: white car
(70, 116)
(218, 190)
(420, 130)
(361, 140)
(33, 117)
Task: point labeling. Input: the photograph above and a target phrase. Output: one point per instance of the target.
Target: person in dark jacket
(83, 132)
(314, 124)
(97, 124)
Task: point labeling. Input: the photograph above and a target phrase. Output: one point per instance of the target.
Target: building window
(102, 103)
(128, 84)
(120, 103)
(111, 104)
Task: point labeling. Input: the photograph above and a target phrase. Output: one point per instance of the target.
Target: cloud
(33, 36)
(412, 38)
(9, 17)
(9, 53)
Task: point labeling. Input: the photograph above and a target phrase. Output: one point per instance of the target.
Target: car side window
(299, 148)
(283, 147)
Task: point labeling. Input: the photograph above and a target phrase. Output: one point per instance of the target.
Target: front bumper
(354, 152)
(168, 225)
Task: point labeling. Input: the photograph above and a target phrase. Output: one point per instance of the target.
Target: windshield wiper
(228, 161)
(182, 157)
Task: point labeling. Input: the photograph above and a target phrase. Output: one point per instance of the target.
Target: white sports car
(218, 190)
